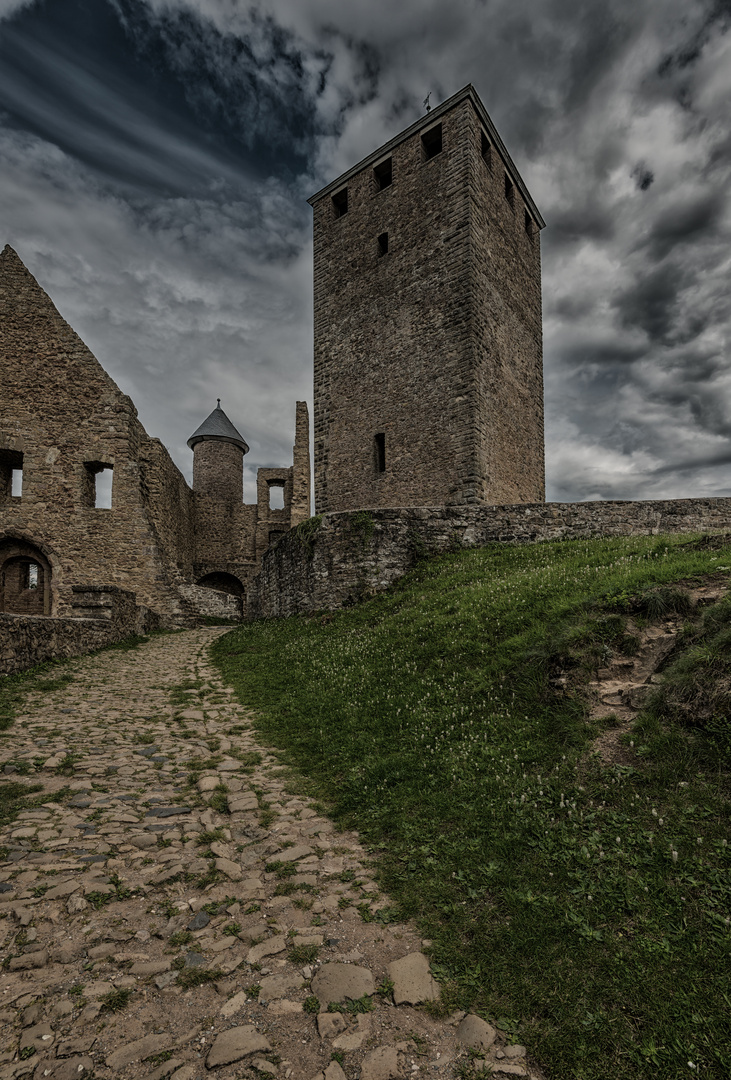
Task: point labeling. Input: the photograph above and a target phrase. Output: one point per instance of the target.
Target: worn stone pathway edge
(152, 928)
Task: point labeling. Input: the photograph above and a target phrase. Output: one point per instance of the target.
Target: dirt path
(621, 689)
(215, 927)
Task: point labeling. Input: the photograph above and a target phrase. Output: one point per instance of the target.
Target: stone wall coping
(52, 620)
(102, 589)
(347, 559)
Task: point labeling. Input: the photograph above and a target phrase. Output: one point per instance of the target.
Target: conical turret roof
(218, 426)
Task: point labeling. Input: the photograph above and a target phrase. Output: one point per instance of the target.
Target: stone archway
(222, 582)
(25, 579)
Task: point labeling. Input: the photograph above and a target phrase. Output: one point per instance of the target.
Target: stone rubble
(180, 914)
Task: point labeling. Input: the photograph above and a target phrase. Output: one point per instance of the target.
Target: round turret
(218, 457)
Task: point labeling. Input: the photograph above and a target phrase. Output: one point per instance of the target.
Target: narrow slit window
(510, 191)
(340, 203)
(103, 488)
(486, 149)
(32, 575)
(383, 174)
(379, 442)
(383, 244)
(431, 142)
(16, 483)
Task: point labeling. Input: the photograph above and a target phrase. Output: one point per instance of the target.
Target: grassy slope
(547, 882)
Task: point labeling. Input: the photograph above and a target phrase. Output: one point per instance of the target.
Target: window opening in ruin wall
(276, 495)
(11, 475)
(97, 485)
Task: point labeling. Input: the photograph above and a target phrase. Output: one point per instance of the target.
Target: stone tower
(231, 535)
(218, 457)
(428, 342)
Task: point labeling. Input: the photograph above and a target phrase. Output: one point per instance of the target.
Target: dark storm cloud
(54, 83)
(253, 91)
(643, 177)
(651, 304)
(157, 154)
(717, 14)
(685, 222)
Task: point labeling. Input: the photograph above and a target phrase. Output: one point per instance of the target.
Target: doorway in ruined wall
(25, 579)
(222, 582)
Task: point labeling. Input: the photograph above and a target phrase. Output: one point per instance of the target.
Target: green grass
(429, 720)
(117, 1000)
(197, 977)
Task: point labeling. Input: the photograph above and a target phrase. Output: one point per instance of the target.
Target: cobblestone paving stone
(176, 912)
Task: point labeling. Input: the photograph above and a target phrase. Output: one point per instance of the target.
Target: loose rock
(340, 982)
(412, 980)
(235, 1044)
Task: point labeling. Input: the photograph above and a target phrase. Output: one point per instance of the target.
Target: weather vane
(427, 106)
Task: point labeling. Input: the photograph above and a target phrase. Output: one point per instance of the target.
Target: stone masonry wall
(62, 418)
(507, 334)
(434, 344)
(353, 555)
(101, 617)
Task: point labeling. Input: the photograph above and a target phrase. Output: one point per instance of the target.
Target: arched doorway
(222, 582)
(25, 579)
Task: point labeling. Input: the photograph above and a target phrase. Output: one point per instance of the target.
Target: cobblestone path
(178, 913)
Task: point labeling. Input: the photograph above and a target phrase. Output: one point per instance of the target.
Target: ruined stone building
(428, 342)
(89, 500)
(427, 386)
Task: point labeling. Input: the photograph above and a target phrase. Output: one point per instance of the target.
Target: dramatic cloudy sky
(155, 158)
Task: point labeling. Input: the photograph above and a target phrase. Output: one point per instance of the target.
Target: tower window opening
(431, 142)
(340, 203)
(383, 244)
(32, 575)
(383, 174)
(510, 191)
(276, 496)
(16, 483)
(379, 445)
(486, 149)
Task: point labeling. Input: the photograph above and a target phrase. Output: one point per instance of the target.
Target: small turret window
(383, 244)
